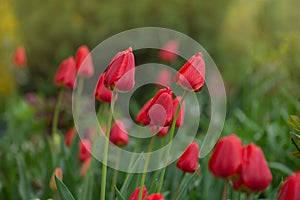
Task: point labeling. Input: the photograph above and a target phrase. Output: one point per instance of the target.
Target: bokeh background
(255, 44)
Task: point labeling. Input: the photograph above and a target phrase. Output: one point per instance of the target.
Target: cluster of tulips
(245, 167)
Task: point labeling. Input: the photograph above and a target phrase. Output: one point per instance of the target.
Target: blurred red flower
(83, 62)
(65, 75)
(118, 134)
(19, 58)
(188, 161)
(169, 51)
(290, 189)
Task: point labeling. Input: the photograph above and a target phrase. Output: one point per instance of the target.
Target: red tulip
(85, 166)
(254, 174)
(84, 63)
(156, 196)
(180, 117)
(101, 92)
(84, 150)
(118, 134)
(20, 58)
(65, 75)
(222, 165)
(290, 190)
(188, 161)
(142, 117)
(169, 51)
(57, 172)
(164, 78)
(162, 131)
(192, 73)
(69, 136)
(160, 110)
(120, 72)
(135, 194)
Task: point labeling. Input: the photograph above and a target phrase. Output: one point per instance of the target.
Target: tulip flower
(135, 194)
(192, 74)
(84, 150)
(188, 161)
(101, 92)
(169, 51)
(142, 117)
(221, 164)
(254, 173)
(85, 166)
(180, 117)
(57, 172)
(65, 75)
(290, 189)
(69, 136)
(118, 134)
(164, 78)
(83, 62)
(120, 72)
(156, 196)
(20, 59)
(162, 131)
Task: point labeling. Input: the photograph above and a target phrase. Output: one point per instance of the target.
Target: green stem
(145, 168)
(78, 93)
(162, 175)
(178, 186)
(224, 196)
(105, 152)
(115, 176)
(247, 196)
(56, 113)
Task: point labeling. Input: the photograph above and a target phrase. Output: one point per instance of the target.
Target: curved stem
(105, 152)
(178, 186)
(224, 196)
(145, 168)
(56, 113)
(162, 175)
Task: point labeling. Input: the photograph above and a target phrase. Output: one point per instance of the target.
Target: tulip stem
(224, 196)
(105, 152)
(56, 113)
(247, 196)
(178, 186)
(162, 175)
(145, 168)
(78, 93)
(115, 176)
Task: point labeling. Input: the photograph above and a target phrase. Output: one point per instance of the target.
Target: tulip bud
(120, 72)
(65, 75)
(156, 196)
(290, 189)
(57, 172)
(136, 192)
(188, 161)
(222, 165)
(84, 63)
(142, 117)
(180, 117)
(169, 51)
(118, 134)
(69, 136)
(20, 59)
(192, 74)
(101, 92)
(84, 150)
(254, 174)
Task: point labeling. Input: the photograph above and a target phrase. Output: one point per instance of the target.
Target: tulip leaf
(281, 167)
(294, 122)
(296, 140)
(120, 196)
(23, 183)
(296, 153)
(64, 192)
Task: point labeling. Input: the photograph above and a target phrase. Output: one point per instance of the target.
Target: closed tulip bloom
(156, 196)
(163, 131)
(169, 51)
(118, 134)
(192, 74)
(120, 72)
(57, 172)
(69, 136)
(20, 59)
(226, 158)
(180, 117)
(84, 63)
(188, 161)
(142, 117)
(290, 189)
(101, 92)
(65, 75)
(255, 174)
(164, 78)
(84, 150)
(160, 110)
(135, 194)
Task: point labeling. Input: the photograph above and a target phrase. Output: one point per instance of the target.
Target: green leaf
(23, 184)
(281, 167)
(64, 192)
(296, 140)
(120, 196)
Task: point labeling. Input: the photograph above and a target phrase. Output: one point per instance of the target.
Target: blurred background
(255, 44)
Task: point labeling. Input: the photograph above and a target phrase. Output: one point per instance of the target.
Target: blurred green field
(255, 44)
